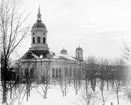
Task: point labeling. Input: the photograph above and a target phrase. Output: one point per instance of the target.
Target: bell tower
(79, 53)
(39, 35)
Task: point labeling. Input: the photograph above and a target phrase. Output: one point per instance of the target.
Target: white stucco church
(39, 61)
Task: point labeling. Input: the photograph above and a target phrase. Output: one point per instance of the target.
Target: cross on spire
(39, 15)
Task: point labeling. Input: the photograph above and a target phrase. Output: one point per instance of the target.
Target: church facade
(39, 62)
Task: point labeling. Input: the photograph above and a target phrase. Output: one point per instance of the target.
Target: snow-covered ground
(54, 97)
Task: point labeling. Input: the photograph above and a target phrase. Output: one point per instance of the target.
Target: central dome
(39, 24)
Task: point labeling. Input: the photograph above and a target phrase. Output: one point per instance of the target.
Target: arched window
(59, 72)
(83, 71)
(26, 73)
(22, 73)
(81, 53)
(33, 40)
(70, 72)
(38, 39)
(78, 55)
(74, 72)
(78, 72)
(32, 73)
(44, 40)
(66, 72)
(53, 73)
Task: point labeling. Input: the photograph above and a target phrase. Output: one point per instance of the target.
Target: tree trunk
(117, 97)
(86, 87)
(103, 98)
(4, 78)
(4, 92)
(107, 84)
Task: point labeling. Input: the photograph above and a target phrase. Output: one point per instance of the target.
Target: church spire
(39, 15)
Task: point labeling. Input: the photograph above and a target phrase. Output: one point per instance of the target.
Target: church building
(40, 62)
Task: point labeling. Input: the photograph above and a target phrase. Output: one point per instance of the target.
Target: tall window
(53, 73)
(66, 72)
(83, 71)
(74, 72)
(31, 73)
(78, 55)
(59, 72)
(26, 73)
(44, 40)
(33, 40)
(70, 72)
(38, 39)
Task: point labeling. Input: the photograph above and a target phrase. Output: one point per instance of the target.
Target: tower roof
(79, 48)
(63, 51)
(39, 23)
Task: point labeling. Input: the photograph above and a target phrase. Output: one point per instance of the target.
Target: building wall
(53, 68)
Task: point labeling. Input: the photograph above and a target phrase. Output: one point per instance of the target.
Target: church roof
(28, 55)
(36, 55)
(64, 57)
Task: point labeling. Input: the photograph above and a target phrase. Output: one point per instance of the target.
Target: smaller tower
(79, 53)
(63, 51)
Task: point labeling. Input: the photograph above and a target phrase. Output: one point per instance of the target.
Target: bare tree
(119, 71)
(88, 96)
(61, 84)
(105, 71)
(103, 97)
(117, 88)
(12, 32)
(92, 70)
(77, 80)
(65, 78)
(18, 94)
(45, 82)
(126, 56)
(101, 81)
(126, 59)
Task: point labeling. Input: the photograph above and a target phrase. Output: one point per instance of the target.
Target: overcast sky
(100, 27)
